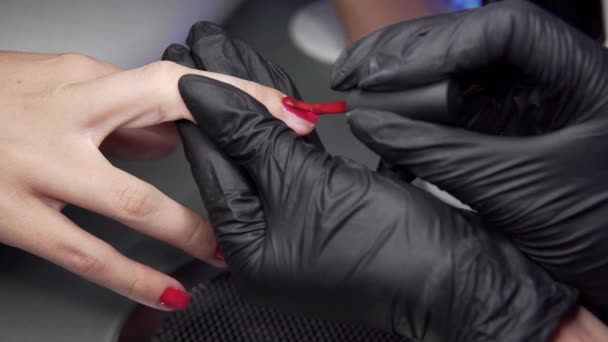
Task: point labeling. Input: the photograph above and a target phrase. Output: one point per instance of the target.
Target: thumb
(474, 167)
(233, 207)
(271, 153)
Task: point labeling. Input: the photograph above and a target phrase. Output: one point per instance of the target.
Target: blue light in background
(465, 4)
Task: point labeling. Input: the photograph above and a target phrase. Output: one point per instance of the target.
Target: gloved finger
(469, 165)
(233, 207)
(214, 50)
(378, 51)
(244, 129)
(180, 55)
(516, 35)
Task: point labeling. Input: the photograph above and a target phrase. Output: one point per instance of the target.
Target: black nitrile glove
(539, 90)
(211, 49)
(325, 236)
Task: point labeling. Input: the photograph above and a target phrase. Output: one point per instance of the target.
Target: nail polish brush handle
(439, 102)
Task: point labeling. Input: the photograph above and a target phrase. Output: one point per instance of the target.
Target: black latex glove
(322, 235)
(532, 76)
(211, 49)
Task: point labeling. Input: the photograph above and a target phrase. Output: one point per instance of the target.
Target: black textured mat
(217, 314)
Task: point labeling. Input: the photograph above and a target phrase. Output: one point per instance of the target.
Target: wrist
(580, 326)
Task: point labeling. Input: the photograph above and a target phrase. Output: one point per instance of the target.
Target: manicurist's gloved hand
(536, 92)
(326, 236)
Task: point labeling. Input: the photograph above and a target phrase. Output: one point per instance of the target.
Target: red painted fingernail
(311, 112)
(175, 299)
(300, 109)
(219, 254)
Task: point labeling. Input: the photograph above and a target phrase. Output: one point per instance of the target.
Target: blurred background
(41, 302)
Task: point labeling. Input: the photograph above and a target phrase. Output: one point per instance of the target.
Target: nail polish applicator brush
(438, 102)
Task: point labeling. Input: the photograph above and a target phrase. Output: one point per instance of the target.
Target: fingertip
(337, 73)
(147, 286)
(360, 126)
(179, 54)
(215, 103)
(358, 119)
(174, 298)
(202, 95)
(173, 52)
(342, 80)
(299, 125)
(351, 65)
(202, 29)
(188, 133)
(156, 290)
(380, 130)
(219, 258)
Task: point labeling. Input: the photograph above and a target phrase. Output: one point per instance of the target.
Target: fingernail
(175, 299)
(302, 117)
(219, 254)
(300, 109)
(309, 113)
(301, 122)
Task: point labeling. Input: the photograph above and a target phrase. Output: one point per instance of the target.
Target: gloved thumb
(473, 167)
(249, 135)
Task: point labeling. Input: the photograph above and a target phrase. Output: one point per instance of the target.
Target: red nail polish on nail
(330, 108)
(311, 112)
(219, 254)
(175, 299)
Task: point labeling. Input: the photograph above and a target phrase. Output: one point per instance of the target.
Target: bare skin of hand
(363, 17)
(59, 112)
(581, 326)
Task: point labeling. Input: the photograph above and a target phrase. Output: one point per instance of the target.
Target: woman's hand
(57, 110)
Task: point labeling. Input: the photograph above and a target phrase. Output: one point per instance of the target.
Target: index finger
(145, 97)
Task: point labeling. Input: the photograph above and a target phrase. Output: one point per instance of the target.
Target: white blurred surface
(317, 31)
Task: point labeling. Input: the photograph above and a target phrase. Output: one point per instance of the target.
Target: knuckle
(162, 77)
(193, 237)
(77, 61)
(86, 263)
(134, 285)
(77, 68)
(160, 71)
(135, 201)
